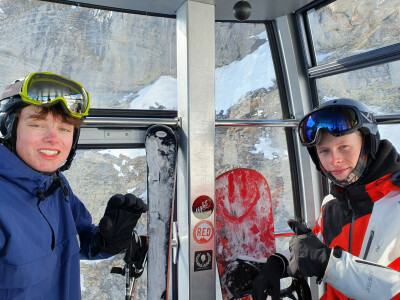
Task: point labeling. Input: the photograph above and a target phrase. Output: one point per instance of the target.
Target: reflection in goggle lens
(336, 120)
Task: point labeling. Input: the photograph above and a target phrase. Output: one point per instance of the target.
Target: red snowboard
(244, 221)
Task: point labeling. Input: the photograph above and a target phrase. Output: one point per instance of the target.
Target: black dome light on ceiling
(242, 10)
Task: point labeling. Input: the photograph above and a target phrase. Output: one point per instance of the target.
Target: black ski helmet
(9, 109)
(366, 124)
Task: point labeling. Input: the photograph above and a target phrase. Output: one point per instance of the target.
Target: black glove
(308, 255)
(120, 218)
(267, 281)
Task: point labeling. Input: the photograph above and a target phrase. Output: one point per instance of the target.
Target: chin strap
(71, 155)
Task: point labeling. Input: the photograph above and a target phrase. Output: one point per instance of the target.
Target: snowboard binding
(239, 276)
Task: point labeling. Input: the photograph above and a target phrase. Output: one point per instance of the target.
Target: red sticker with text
(203, 232)
(202, 207)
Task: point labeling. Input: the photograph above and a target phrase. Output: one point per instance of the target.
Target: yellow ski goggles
(46, 89)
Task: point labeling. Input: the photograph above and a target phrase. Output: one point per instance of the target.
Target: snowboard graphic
(244, 229)
(161, 149)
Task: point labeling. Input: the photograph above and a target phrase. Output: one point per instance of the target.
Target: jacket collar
(14, 170)
(377, 180)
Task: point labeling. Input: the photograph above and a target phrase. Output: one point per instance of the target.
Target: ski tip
(159, 128)
(161, 132)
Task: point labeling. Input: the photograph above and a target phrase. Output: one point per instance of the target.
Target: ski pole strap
(135, 257)
(137, 251)
(133, 272)
(134, 245)
(300, 286)
(285, 263)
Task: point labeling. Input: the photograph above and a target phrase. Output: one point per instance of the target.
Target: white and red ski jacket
(364, 222)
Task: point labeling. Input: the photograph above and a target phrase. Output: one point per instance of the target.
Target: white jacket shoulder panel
(382, 238)
(327, 198)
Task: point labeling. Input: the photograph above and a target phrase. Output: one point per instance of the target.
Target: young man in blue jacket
(40, 217)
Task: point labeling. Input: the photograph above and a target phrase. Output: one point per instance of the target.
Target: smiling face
(43, 142)
(339, 155)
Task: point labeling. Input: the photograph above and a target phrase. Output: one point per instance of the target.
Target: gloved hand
(308, 255)
(267, 281)
(120, 218)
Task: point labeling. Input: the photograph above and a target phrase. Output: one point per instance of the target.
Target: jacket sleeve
(2, 240)
(85, 228)
(361, 279)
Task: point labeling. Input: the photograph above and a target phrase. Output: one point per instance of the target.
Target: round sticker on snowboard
(202, 207)
(203, 232)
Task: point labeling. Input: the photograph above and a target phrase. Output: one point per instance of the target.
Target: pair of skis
(161, 151)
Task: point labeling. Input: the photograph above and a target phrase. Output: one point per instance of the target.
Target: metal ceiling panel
(261, 9)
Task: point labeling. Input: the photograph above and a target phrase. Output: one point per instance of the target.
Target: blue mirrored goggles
(337, 121)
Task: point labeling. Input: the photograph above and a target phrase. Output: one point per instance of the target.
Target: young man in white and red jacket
(354, 246)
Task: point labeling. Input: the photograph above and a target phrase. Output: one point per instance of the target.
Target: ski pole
(127, 283)
(129, 259)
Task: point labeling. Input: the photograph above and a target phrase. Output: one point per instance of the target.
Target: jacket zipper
(41, 197)
(371, 237)
(53, 237)
(352, 223)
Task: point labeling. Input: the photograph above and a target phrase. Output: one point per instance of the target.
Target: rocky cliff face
(112, 54)
(345, 27)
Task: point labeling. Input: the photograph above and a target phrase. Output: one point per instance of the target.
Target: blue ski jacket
(39, 230)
